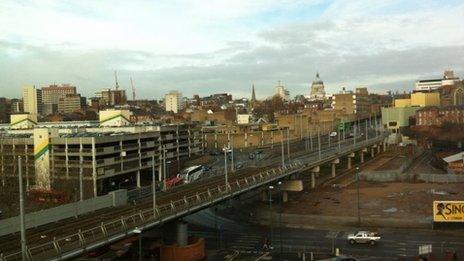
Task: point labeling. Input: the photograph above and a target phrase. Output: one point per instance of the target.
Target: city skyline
(228, 46)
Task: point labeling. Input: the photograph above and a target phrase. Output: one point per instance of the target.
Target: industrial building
(89, 155)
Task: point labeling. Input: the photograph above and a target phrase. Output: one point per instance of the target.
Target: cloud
(227, 46)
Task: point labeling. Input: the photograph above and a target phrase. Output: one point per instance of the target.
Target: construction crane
(133, 89)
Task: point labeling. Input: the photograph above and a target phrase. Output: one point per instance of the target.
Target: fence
(440, 178)
(35, 219)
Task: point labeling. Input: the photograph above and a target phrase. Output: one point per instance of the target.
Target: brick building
(435, 116)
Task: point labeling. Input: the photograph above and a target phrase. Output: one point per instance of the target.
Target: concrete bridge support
(314, 173)
(350, 156)
(364, 150)
(334, 164)
(378, 148)
(182, 233)
(284, 196)
(373, 151)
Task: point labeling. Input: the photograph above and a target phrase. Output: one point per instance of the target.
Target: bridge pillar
(316, 170)
(284, 196)
(182, 233)
(334, 163)
(313, 179)
(372, 151)
(384, 146)
(138, 179)
(378, 148)
(350, 156)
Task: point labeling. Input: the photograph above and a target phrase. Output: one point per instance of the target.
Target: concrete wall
(35, 219)
(440, 178)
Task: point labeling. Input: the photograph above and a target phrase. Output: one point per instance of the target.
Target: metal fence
(75, 244)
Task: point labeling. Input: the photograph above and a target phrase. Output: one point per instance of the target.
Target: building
(57, 157)
(243, 118)
(357, 103)
(422, 99)
(173, 101)
(317, 91)
(53, 93)
(437, 84)
(437, 116)
(70, 103)
(5, 110)
(32, 100)
(282, 92)
(394, 118)
(111, 97)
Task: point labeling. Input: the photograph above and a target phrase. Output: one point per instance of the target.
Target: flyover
(80, 235)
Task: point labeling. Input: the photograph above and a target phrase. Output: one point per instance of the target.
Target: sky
(205, 47)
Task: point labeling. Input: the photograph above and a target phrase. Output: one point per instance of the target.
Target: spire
(253, 94)
(317, 75)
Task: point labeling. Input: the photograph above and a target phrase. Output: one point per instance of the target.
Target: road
(249, 238)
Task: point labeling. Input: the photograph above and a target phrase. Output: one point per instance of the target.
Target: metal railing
(83, 240)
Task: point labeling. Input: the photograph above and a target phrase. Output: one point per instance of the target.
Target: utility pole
(153, 180)
(164, 167)
(283, 149)
(311, 140)
(319, 141)
(357, 192)
(270, 217)
(225, 166)
(232, 167)
(21, 210)
(339, 145)
(367, 132)
(288, 143)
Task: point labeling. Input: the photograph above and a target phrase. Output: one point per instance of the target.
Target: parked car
(333, 134)
(363, 237)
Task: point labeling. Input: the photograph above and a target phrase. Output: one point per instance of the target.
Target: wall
(425, 99)
(35, 219)
(401, 103)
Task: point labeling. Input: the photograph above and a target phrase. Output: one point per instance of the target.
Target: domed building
(317, 89)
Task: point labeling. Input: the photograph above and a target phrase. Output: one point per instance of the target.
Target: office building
(436, 84)
(32, 100)
(70, 103)
(53, 93)
(173, 101)
(353, 103)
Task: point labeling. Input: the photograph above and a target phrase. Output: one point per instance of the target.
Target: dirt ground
(393, 200)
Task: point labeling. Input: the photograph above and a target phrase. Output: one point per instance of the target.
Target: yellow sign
(448, 211)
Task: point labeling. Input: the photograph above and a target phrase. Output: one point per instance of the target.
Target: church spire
(253, 94)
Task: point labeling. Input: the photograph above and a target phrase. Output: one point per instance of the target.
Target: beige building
(69, 103)
(53, 93)
(32, 100)
(353, 103)
(282, 92)
(173, 101)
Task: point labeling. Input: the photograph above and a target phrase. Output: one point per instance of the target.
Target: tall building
(70, 103)
(112, 97)
(173, 101)
(317, 91)
(436, 84)
(32, 100)
(282, 92)
(353, 103)
(53, 93)
(253, 94)
(5, 110)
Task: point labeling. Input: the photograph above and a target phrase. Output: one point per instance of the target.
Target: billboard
(448, 211)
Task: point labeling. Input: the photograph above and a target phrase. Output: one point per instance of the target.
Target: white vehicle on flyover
(363, 237)
(192, 174)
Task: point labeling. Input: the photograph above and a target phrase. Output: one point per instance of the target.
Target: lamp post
(283, 149)
(357, 192)
(139, 233)
(21, 211)
(270, 216)
(226, 149)
(153, 181)
(280, 218)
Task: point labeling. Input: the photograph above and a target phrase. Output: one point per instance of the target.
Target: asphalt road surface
(224, 233)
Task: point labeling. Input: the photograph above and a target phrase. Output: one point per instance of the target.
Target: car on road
(333, 134)
(251, 155)
(239, 165)
(363, 237)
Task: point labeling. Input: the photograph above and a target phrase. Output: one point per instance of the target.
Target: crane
(116, 79)
(133, 89)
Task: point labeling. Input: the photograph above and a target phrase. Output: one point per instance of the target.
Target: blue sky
(202, 47)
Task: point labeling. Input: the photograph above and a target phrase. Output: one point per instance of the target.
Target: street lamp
(139, 233)
(270, 217)
(226, 150)
(280, 217)
(357, 192)
(153, 181)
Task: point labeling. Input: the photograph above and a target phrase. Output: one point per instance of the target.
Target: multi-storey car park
(91, 156)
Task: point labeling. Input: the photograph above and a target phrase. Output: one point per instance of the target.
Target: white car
(363, 237)
(333, 134)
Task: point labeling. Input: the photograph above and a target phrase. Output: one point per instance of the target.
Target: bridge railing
(109, 231)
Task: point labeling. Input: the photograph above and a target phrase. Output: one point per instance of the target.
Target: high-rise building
(317, 91)
(353, 103)
(282, 92)
(173, 101)
(32, 100)
(53, 93)
(70, 103)
(5, 110)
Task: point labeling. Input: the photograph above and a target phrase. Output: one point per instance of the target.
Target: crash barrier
(42, 217)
